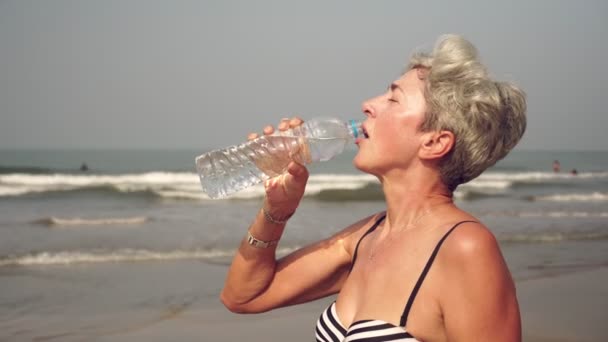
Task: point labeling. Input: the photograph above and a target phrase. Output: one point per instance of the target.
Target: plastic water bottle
(226, 171)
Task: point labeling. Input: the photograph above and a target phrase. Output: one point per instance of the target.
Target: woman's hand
(284, 192)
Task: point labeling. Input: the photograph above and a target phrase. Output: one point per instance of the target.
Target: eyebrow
(394, 86)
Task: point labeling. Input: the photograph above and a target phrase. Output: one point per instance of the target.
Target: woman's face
(392, 125)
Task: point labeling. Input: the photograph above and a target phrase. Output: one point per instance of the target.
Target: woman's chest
(382, 292)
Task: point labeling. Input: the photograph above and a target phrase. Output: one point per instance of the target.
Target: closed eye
(391, 92)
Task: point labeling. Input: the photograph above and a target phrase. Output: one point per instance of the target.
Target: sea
(86, 234)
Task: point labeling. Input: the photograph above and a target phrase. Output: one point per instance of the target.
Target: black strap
(410, 301)
(371, 229)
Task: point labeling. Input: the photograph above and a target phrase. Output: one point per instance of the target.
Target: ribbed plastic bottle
(226, 171)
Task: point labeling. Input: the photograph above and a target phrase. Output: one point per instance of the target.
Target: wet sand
(568, 307)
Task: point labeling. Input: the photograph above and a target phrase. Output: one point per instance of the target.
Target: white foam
(123, 255)
(319, 183)
(580, 197)
(186, 185)
(534, 176)
(187, 195)
(504, 180)
(565, 214)
(66, 258)
(549, 237)
(487, 184)
(316, 184)
(21, 184)
(77, 221)
(163, 184)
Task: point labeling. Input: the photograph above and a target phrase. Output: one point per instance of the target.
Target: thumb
(298, 171)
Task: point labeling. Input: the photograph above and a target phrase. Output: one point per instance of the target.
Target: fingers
(268, 130)
(287, 123)
(284, 124)
(295, 122)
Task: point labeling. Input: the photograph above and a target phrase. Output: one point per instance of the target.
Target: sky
(173, 74)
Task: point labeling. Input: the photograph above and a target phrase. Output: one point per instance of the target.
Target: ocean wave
(471, 195)
(117, 256)
(124, 255)
(215, 255)
(552, 237)
(564, 214)
(496, 184)
(77, 221)
(159, 184)
(25, 184)
(186, 185)
(506, 180)
(540, 177)
(573, 197)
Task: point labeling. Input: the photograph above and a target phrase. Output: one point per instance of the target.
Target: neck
(407, 201)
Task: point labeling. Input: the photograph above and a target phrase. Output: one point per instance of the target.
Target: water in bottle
(223, 172)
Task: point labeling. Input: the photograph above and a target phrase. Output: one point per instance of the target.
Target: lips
(363, 136)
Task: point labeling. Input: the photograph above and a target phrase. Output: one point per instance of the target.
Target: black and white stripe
(329, 329)
(377, 331)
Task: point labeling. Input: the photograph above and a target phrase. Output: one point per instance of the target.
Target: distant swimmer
(556, 166)
(84, 167)
(574, 172)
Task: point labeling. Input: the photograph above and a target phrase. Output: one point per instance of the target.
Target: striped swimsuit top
(330, 329)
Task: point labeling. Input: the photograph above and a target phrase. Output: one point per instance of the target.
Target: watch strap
(257, 243)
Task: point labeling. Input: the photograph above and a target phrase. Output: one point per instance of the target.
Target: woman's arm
(480, 302)
(258, 283)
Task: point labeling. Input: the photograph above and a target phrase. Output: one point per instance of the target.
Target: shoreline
(568, 307)
(117, 304)
(559, 308)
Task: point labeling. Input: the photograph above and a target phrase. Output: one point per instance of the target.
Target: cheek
(389, 146)
(391, 129)
(398, 135)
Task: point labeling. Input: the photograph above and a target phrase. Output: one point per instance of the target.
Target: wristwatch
(251, 240)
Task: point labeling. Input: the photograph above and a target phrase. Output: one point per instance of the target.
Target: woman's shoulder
(472, 246)
(469, 238)
(475, 278)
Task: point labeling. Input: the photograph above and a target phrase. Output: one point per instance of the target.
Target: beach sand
(568, 307)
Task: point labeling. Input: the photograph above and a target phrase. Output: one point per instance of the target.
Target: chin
(360, 165)
(366, 166)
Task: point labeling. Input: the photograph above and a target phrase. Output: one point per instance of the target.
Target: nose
(368, 109)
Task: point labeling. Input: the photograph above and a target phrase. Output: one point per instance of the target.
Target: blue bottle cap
(354, 128)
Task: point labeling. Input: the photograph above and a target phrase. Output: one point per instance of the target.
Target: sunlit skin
(467, 296)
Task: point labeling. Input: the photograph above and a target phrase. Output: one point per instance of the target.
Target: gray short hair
(487, 117)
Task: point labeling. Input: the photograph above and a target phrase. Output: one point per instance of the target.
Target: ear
(436, 145)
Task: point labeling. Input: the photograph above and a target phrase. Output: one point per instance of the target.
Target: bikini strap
(427, 267)
(371, 229)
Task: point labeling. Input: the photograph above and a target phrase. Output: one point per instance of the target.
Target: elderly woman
(423, 269)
